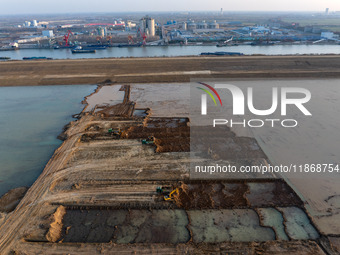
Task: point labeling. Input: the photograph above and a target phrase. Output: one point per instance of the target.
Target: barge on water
(221, 53)
(80, 49)
(128, 45)
(36, 58)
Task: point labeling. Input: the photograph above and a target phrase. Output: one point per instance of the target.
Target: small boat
(80, 49)
(4, 58)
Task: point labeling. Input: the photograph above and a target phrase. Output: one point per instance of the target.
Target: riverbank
(173, 69)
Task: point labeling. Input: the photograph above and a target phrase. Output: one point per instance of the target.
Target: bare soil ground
(98, 194)
(176, 69)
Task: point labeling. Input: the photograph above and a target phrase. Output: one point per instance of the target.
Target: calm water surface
(158, 51)
(31, 118)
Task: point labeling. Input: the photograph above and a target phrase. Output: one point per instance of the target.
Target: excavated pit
(201, 212)
(181, 226)
(171, 134)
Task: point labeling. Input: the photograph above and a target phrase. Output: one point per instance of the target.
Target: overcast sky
(67, 6)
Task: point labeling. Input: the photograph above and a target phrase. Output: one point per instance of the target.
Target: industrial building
(327, 35)
(202, 25)
(191, 25)
(147, 26)
(34, 24)
(213, 25)
(102, 31)
(47, 33)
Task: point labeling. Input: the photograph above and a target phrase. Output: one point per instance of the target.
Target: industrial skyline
(78, 6)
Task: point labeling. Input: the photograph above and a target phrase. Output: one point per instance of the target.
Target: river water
(31, 118)
(159, 51)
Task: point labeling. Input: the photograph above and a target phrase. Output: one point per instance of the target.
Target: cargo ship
(80, 49)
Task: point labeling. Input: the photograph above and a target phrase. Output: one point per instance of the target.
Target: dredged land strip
(98, 193)
(173, 69)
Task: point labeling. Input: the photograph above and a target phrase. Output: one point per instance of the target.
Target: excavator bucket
(171, 195)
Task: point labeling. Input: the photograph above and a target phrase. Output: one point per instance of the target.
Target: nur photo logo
(244, 103)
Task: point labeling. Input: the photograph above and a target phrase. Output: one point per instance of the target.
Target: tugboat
(80, 49)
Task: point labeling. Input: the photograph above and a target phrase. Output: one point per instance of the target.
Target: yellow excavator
(149, 140)
(116, 133)
(168, 195)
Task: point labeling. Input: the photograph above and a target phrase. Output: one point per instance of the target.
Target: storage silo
(202, 25)
(192, 26)
(151, 26)
(213, 25)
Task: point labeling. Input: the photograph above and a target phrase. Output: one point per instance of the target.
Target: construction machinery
(167, 192)
(99, 39)
(130, 39)
(149, 140)
(143, 35)
(108, 39)
(116, 133)
(66, 38)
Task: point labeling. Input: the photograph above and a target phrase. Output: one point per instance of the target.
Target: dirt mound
(55, 231)
(171, 134)
(211, 195)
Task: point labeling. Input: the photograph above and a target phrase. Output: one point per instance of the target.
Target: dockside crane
(66, 38)
(108, 39)
(130, 39)
(143, 35)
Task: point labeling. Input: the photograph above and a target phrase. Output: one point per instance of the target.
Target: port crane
(108, 39)
(66, 38)
(130, 39)
(98, 38)
(143, 35)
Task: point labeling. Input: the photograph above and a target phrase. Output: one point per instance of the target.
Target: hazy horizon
(106, 6)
